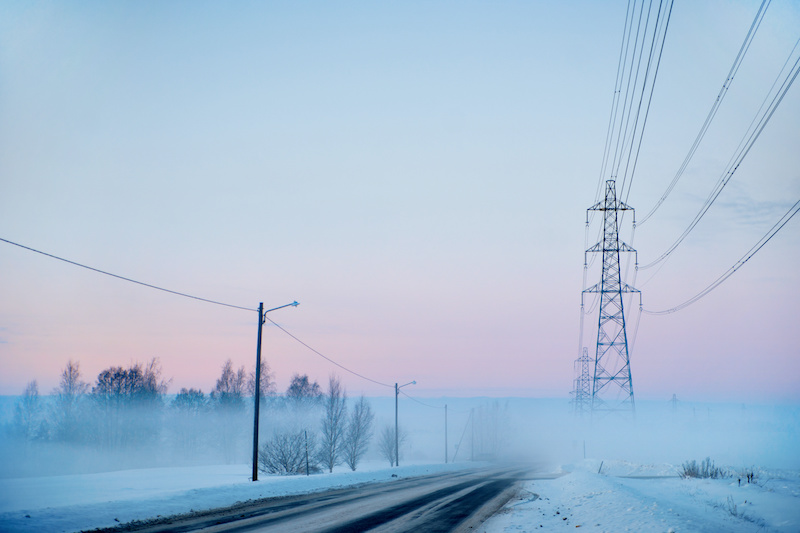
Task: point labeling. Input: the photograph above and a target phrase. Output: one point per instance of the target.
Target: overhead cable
(404, 393)
(739, 264)
(663, 39)
(713, 111)
(185, 295)
(757, 126)
(615, 100)
(326, 357)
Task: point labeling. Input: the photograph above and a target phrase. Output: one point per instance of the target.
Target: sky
(415, 174)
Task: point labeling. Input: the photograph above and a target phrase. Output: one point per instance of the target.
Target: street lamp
(262, 317)
(396, 432)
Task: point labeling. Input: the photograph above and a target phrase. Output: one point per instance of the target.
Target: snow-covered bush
(288, 453)
(705, 470)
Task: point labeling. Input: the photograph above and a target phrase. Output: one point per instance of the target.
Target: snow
(623, 497)
(629, 497)
(637, 489)
(88, 501)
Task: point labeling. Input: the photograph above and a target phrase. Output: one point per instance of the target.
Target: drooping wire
(326, 357)
(404, 393)
(612, 117)
(631, 90)
(746, 144)
(649, 101)
(739, 264)
(713, 111)
(629, 118)
(185, 295)
(625, 118)
(458, 446)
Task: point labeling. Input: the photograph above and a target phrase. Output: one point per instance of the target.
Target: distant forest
(125, 419)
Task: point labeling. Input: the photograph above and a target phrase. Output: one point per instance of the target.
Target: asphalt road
(447, 502)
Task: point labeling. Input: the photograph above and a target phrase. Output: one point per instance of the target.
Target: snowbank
(630, 497)
(78, 502)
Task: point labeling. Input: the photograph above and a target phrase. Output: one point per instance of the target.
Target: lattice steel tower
(612, 386)
(582, 393)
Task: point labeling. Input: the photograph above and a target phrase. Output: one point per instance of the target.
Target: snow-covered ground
(643, 494)
(88, 501)
(628, 497)
(622, 497)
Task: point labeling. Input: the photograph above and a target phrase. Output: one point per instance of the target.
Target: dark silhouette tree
(188, 408)
(129, 403)
(230, 388)
(301, 388)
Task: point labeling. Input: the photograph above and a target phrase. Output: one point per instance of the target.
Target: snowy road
(443, 502)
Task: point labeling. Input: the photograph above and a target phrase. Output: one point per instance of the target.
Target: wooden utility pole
(257, 392)
(445, 433)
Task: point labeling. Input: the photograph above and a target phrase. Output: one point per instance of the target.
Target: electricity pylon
(612, 386)
(582, 393)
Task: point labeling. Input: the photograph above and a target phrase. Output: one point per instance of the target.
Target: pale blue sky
(415, 174)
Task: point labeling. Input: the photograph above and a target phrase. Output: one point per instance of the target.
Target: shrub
(705, 470)
(289, 453)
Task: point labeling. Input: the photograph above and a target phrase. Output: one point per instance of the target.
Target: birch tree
(359, 433)
(334, 422)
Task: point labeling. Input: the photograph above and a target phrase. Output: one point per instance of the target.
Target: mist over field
(540, 431)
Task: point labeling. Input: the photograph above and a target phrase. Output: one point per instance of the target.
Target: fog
(543, 431)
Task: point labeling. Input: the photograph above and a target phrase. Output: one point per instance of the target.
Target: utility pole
(612, 386)
(445, 433)
(472, 440)
(396, 428)
(257, 392)
(305, 431)
(262, 317)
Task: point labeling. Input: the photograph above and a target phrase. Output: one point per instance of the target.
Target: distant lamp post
(396, 431)
(262, 317)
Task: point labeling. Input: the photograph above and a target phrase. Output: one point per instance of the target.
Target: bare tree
(28, 413)
(386, 443)
(287, 453)
(188, 406)
(266, 382)
(359, 433)
(303, 393)
(68, 397)
(128, 404)
(228, 401)
(230, 387)
(334, 421)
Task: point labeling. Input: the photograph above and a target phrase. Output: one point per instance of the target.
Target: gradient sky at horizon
(415, 174)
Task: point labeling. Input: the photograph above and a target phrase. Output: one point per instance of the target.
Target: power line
(713, 111)
(649, 99)
(746, 144)
(185, 295)
(328, 358)
(129, 279)
(745, 258)
(628, 118)
(612, 118)
(404, 393)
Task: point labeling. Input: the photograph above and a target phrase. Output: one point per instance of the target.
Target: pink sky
(416, 176)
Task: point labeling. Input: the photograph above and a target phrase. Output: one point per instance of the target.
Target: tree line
(127, 408)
